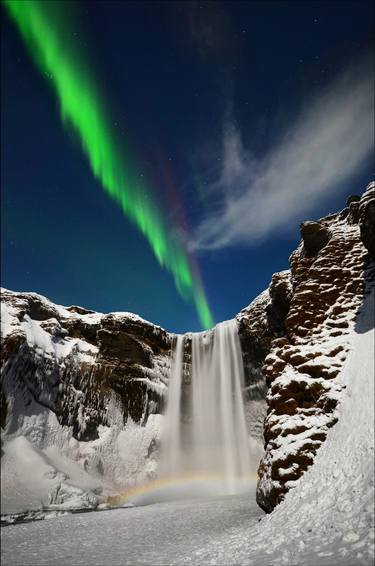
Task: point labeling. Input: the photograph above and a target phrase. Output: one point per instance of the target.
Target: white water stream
(205, 433)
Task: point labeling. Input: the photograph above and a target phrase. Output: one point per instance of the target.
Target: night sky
(214, 102)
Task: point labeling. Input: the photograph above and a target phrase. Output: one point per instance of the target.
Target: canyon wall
(95, 384)
(329, 273)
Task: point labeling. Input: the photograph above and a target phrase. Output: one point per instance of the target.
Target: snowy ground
(43, 466)
(158, 534)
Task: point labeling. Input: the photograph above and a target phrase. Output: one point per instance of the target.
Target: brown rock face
(352, 198)
(123, 347)
(255, 337)
(367, 219)
(259, 324)
(315, 236)
(327, 275)
(280, 290)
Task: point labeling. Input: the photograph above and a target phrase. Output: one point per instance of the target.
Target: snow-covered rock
(71, 360)
(81, 399)
(366, 212)
(328, 273)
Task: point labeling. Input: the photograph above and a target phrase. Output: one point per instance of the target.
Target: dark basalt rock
(32, 305)
(315, 236)
(79, 310)
(367, 219)
(3, 409)
(353, 214)
(10, 345)
(280, 291)
(117, 345)
(154, 336)
(114, 357)
(255, 337)
(77, 328)
(352, 198)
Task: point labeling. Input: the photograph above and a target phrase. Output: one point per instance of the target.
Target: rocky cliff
(93, 387)
(72, 360)
(329, 273)
(81, 397)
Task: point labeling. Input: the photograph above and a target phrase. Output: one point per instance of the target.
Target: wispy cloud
(322, 148)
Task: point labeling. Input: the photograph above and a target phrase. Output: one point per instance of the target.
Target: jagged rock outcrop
(366, 211)
(255, 337)
(280, 291)
(315, 236)
(327, 277)
(258, 325)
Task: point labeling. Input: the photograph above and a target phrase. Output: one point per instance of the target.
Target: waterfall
(205, 431)
(172, 452)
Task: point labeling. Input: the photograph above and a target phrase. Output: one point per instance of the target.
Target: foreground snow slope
(154, 535)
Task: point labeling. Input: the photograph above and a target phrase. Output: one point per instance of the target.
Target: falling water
(172, 432)
(205, 428)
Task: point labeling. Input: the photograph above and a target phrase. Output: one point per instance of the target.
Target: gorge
(96, 407)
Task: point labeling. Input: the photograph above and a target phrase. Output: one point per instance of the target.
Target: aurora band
(44, 27)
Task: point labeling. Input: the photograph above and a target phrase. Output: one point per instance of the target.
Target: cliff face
(328, 276)
(366, 216)
(72, 360)
(82, 399)
(258, 325)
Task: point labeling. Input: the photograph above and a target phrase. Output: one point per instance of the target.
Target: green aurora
(44, 27)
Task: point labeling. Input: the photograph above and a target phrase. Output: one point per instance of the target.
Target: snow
(160, 534)
(45, 344)
(64, 312)
(8, 319)
(153, 385)
(43, 466)
(135, 318)
(32, 475)
(42, 341)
